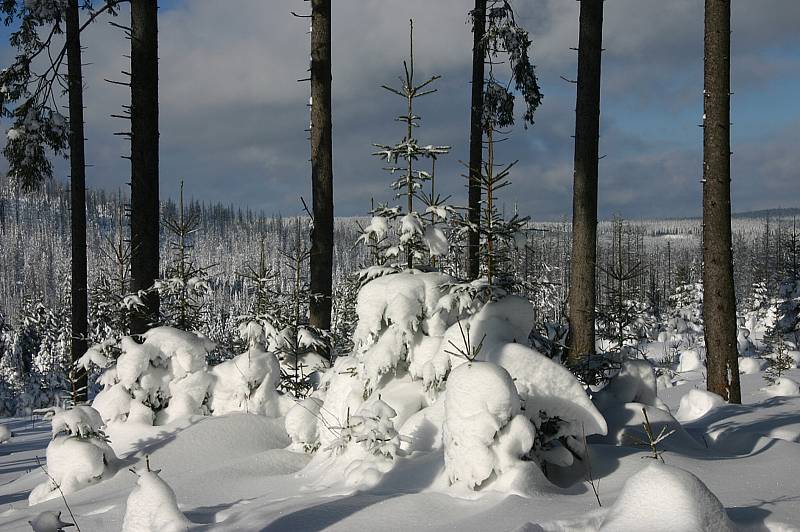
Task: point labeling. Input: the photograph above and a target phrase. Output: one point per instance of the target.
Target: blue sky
(232, 114)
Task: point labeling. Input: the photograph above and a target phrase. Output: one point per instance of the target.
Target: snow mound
(301, 423)
(49, 521)
(635, 382)
(696, 404)
(5, 434)
(663, 498)
(483, 430)
(78, 454)
(548, 387)
(83, 421)
(152, 505)
(74, 462)
(751, 366)
(246, 383)
(783, 387)
(690, 361)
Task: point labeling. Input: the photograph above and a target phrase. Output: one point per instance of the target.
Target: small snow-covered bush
(167, 378)
(246, 383)
(696, 404)
(78, 454)
(152, 505)
(301, 424)
(166, 374)
(484, 432)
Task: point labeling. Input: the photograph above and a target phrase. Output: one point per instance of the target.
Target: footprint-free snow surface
(726, 467)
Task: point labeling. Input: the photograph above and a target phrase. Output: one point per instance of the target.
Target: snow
(690, 361)
(664, 498)
(696, 404)
(246, 383)
(784, 386)
(83, 421)
(152, 505)
(483, 431)
(49, 521)
(5, 434)
(751, 366)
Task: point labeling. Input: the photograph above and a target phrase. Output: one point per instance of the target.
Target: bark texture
(321, 166)
(476, 139)
(584, 199)
(145, 209)
(719, 301)
(77, 167)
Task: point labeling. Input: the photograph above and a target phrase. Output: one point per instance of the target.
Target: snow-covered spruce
(414, 330)
(78, 454)
(152, 505)
(167, 379)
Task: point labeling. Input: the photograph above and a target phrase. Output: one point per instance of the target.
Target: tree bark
(476, 139)
(77, 164)
(584, 200)
(321, 166)
(719, 301)
(145, 209)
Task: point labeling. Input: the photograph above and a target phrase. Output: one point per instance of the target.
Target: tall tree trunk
(719, 301)
(476, 138)
(144, 157)
(321, 166)
(584, 200)
(77, 164)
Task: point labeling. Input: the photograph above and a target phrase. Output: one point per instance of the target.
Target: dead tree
(321, 166)
(584, 202)
(145, 209)
(719, 304)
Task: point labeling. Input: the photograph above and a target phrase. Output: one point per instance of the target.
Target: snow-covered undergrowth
(166, 379)
(233, 472)
(415, 331)
(441, 400)
(152, 505)
(78, 454)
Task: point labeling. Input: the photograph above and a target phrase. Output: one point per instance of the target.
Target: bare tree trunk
(719, 302)
(144, 157)
(321, 166)
(584, 201)
(77, 164)
(476, 139)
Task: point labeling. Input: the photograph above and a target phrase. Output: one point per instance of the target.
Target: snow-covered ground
(234, 472)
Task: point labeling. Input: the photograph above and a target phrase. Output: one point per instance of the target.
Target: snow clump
(152, 505)
(484, 432)
(77, 456)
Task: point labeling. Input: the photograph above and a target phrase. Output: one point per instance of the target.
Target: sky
(232, 114)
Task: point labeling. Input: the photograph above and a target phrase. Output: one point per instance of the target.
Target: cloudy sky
(233, 114)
